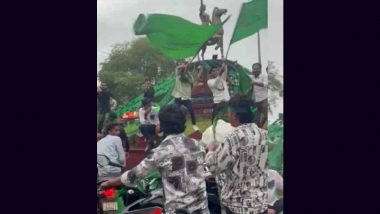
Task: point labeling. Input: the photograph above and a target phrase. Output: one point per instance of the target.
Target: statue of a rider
(217, 39)
(205, 18)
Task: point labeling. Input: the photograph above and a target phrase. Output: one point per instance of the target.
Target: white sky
(115, 19)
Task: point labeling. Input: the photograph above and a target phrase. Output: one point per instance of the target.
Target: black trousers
(217, 108)
(262, 113)
(188, 105)
(102, 120)
(148, 131)
(278, 206)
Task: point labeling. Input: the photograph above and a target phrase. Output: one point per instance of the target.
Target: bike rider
(180, 161)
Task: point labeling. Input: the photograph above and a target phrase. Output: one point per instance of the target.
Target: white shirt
(260, 93)
(111, 147)
(219, 88)
(275, 182)
(181, 89)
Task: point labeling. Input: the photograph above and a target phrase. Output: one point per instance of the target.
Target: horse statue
(218, 37)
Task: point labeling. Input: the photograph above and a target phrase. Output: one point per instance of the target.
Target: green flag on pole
(253, 17)
(175, 37)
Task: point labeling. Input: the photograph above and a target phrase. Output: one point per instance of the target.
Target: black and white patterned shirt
(180, 161)
(242, 160)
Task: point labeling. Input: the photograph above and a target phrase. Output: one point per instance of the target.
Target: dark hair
(211, 70)
(111, 126)
(172, 119)
(256, 64)
(241, 105)
(146, 101)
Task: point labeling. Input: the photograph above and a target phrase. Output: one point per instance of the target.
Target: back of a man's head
(240, 105)
(172, 120)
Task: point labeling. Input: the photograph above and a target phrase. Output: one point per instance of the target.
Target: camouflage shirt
(242, 161)
(180, 161)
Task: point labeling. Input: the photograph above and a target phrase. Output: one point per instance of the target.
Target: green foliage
(275, 88)
(123, 85)
(129, 64)
(276, 146)
(162, 96)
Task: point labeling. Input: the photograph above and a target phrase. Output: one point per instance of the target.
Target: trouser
(261, 113)
(148, 130)
(188, 105)
(102, 120)
(149, 133)
(217, 107)
(278, 206)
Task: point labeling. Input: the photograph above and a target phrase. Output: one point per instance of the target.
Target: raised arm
(131, 177)
(224, 71)
(144, 168)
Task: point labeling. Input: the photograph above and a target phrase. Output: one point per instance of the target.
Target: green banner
(175, 37)
(253, 17)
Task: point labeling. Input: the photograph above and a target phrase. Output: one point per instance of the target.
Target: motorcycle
(107, 202)
(147, 196)
(149, 193)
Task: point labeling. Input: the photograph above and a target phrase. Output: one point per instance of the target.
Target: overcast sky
(115, 19)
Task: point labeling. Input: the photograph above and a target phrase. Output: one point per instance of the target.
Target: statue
(218, 37)
(205, 18)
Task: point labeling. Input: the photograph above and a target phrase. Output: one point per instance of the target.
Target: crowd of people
(234, 149)
(223, 86)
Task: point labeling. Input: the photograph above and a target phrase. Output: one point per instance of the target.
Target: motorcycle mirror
(103, 160)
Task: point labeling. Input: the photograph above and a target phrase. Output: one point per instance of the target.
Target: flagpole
(228, 50)
(258, 43)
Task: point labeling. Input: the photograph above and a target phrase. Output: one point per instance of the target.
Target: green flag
(253, 17)
(175, 37)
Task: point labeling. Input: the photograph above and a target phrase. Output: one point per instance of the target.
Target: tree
(129, 64)
(275, 87)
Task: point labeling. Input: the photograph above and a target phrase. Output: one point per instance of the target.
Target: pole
(258, 43)
(228, 50)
